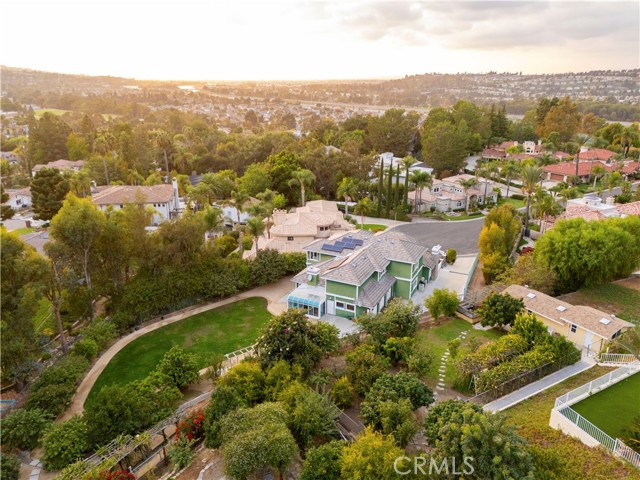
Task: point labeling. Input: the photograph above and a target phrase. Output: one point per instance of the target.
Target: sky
(305, 40)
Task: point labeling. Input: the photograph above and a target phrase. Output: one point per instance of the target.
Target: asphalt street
(461, 235)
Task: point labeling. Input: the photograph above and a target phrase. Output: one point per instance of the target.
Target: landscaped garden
(219, 331)
(613, 409)
(559, 456)
(374, 227)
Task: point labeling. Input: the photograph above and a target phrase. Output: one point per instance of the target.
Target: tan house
(448, 194)
(291, 232)
(61, 165)
(584, 326)
(162, 198)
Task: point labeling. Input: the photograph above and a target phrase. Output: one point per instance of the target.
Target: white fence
(617, 358)
(563, 407)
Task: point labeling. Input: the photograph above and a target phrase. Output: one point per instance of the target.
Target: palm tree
(163, 141)
(596, 171)
(545, 206)
(466, 185)
(361, 208)
(567, 194)
(530, 177)
(510, 170)
(583, 140)
(421, 180)
(611, 180)
(266, 198)
(303, 178)
(346, 189)
(212, 218)
(545, 159)
(80, 183)
(104, 144)
(626, 138)
(255, 227)
(238, 199)
(487, 171)
(406, 163)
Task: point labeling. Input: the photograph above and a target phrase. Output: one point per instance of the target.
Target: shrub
(517, 196)
(248, 379)
(101, 331)
(269, 266)
(294, 261)
(398, 349)
(397, 419)
(86, 348)
(23, 428)
(224, 399)
(9, 466)
(323, 462)
(420, 362)
(399, 319)
(64, 443)
(441, 414)
(191, 426)
(372, 456)
(180, 453)
(342, 393)
(442, 302)
(364, 367)
(451, 256)
(500, 309)
(181, 367)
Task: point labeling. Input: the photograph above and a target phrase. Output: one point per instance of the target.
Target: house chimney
(610, 200)
(176, 201)
(93, 188)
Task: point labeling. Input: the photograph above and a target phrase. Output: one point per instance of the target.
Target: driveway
(461, 235)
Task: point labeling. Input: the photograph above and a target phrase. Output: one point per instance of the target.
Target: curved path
(273, 293)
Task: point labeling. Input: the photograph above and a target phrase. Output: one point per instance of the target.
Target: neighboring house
(359, 272)
(162, 198)
(10, 157)
(20, 198)
(591, 207)
(60, 165)
(389, 159)
(596, 154)
(447, 194)
(291, 232)
(583, 326)
(561, 172)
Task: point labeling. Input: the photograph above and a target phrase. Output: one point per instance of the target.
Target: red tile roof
(597, 154)
(569, 168)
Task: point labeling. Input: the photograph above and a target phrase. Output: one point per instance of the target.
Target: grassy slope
(222, 330)
(570, 458)
(435, 340)
(613, 409)
(624, 302)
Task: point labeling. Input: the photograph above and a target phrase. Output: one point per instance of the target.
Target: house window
(615, 335)
(314, 255)
(340, 305)
(290, 239)
(351, 307)
(324, 229)
(574, 328)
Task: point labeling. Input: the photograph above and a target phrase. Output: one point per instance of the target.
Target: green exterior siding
(341, 289)
(399, 270)
(402, 289)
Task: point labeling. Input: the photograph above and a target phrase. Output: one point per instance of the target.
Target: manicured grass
(374, 227)
(513, 201)
(435, 340)
(24, 230)
(465, 217)
(610, 298)
(221, 331)
(614, 408)
(565, 456)
(43, 318)
(54, 111)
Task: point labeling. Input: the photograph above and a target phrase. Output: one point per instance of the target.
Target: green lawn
(513, 201)
(374, 227)
(464, 216)
(565, 456)
(613, 409)
(24, 230)
(610, 298)
(44, 317)
(222, 330)
(435, 340)
(54, 111)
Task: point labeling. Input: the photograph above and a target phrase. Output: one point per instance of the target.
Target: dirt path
(272, 293)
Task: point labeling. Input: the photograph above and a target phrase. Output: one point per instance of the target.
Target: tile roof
(632, 208)
(597, 154)
(586, 317)
(120, 194)
(61, 164)
(373, 291)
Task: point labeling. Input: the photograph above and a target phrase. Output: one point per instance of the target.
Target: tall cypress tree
(397, 193)
(380, 180)
(389, 193)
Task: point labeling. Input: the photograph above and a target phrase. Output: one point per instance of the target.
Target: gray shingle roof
(373, 291)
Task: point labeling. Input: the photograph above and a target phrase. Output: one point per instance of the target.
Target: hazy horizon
(319, 40)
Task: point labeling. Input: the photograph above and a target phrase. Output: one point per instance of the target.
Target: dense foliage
(442, 302)
(500, 309)
(323, 462)
(23, 428)
(64, 443)
(364, 367)
(398, 319)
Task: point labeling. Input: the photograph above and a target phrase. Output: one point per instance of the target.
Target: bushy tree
(323, 462)
(370, 457)
(364, 367)
(10, 466)
(64, 443)
(269, 266)
(342, 392)
(393, 388)
(280, 377)
(179, 366)
(291, 337)
(529, 327)
(497, 451)
(180, 453)
(442, 302)
(399, 319)
(224, 399)
(23, 428)
(48, 189)
(528, 271)
(101, 331)
(248, 379)
(398, 418)
(500, 309)
(441, 414)
(86, 348)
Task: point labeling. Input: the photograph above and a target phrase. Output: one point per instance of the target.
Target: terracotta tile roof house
(584, 326)
(60, 165)
(447, 194)
(493, 153)
(291, 232)
(591, 207)
(163, 198)
(600, 154)
(355, 273)
(561, 171)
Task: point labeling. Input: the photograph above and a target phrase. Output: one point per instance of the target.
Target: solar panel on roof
(358, 242)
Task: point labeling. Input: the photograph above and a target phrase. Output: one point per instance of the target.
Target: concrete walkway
(539, 386)
(272, 293)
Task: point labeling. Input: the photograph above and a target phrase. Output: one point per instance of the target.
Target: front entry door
(331, 307)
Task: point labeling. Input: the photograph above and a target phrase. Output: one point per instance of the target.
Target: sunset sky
(240, 40)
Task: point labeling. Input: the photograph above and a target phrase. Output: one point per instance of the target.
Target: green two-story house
(359, 272)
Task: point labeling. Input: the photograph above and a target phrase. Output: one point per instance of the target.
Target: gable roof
(60, 164)
(586, 317)
(121, 194)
